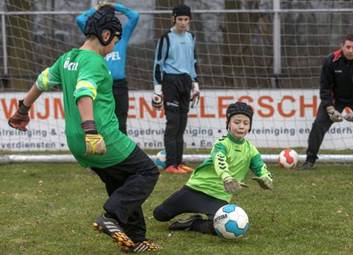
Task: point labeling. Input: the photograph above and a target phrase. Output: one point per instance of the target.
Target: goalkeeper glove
(195, 94)
(334, 115)
(232, 186)
(265, 181)
(157, 97)
(349, 117)
(95, 144)
(20, 119)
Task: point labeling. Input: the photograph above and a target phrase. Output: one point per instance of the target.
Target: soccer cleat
(147, 245)
(184, 224)
(174, 170)
(186, 168)
(307, 165)
(112, 228)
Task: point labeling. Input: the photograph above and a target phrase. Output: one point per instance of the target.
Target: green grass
(300, 150)
(48, 209)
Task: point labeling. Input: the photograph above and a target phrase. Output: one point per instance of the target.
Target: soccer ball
(288, 158)
(231, 221)
(160, 160)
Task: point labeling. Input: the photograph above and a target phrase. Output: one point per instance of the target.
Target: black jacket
(336, 79)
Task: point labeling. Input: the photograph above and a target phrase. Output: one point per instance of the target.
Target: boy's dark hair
(347, 38)
(239, 108)
(103, 19)
(181, 10)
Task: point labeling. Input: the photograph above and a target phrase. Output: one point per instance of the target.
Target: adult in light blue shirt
(116, 60)
(175, 84)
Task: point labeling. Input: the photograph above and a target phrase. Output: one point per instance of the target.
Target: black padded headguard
(104, 19)
(239, 108)
(181, 10)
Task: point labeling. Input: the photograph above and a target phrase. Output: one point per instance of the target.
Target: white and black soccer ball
(161, 160)
(231, 221)
(288, 158)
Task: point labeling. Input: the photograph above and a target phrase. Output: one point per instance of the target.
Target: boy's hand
(265, 181)
(20, 119)
(157, 98)
(348, 117)
(195, 94)
(334, 115)
(232, 186)
(95, 144)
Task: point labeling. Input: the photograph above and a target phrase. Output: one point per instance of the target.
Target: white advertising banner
(282, 118)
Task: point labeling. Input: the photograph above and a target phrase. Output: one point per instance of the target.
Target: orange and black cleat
(174, 170)
(112, 228)
(186, 168)
(139, 247)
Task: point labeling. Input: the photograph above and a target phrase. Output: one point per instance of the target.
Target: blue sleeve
(161, 51)
(81, 20)
(133, 17)
(194, 72)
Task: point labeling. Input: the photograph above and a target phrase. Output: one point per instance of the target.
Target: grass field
(48, 209)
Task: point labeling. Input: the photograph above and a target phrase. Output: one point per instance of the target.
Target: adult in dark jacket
(336, 93)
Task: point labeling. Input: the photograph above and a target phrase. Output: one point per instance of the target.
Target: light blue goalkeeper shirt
(175, 54)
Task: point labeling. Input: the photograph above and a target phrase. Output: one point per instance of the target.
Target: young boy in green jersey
(213, 182)
(93, 134)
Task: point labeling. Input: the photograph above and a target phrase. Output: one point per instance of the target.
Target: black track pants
(176, 92)
(128, 184)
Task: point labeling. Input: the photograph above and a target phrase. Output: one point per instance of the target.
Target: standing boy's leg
(108, 223)
(121, 97)
(136, 177)
(185, 84)
(171, 107)
(136, 227)
(170, 135)
(183, 117)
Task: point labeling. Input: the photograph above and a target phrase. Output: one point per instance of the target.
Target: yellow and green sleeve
(85, 88)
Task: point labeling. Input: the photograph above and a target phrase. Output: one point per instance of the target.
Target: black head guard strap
(104, 19)
(239, 108)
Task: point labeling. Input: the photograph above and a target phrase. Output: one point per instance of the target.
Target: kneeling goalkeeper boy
(212, 183)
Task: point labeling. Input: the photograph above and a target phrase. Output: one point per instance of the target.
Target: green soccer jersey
(83, 73)
(229, 157)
